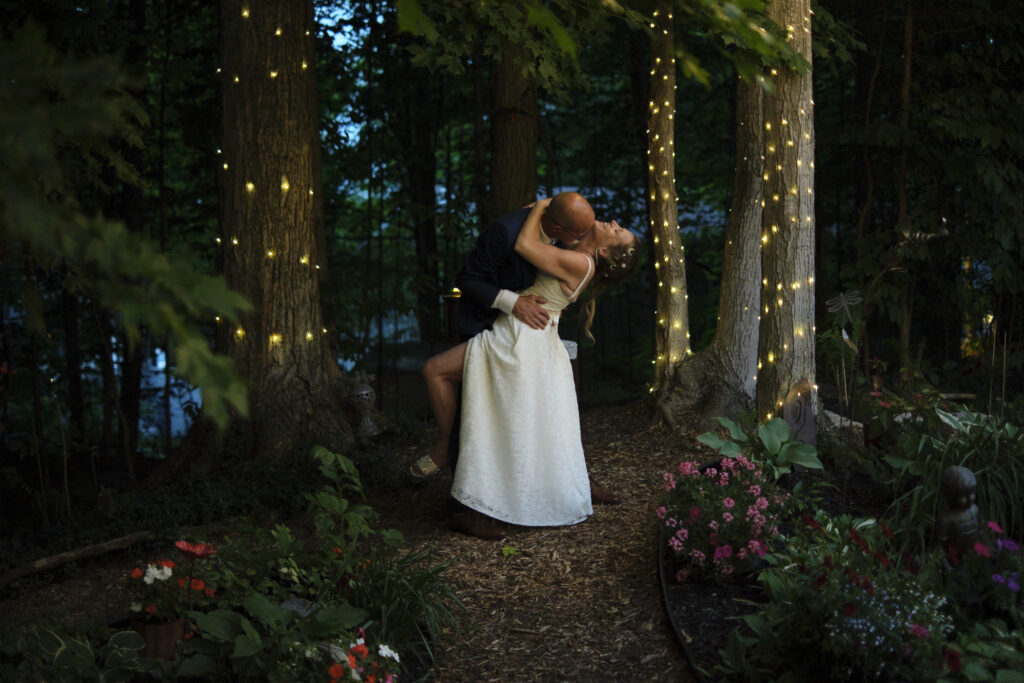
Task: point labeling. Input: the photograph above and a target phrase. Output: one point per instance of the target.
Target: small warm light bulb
(234, 241)
(250, 187)
(278, 31)
(239, 333)
(304, 259)
(225, 167)
(245, 12)
(270, 253)
(284, 184)
(273, 74)
(217, 240)
(309, 336)
(275, 339)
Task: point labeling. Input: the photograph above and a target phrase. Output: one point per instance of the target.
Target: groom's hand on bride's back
(529, 310)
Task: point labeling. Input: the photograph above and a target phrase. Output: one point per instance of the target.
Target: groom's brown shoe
(473, 523)
(602, 496)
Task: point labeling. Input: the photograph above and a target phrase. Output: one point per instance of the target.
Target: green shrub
(842, 604)
(991, 447)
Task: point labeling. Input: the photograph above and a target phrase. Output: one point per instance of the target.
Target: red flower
(209, 592)
(190, 634)
(860, 541)
(136, 573)
(150, 609)
(195, 551)
(994, 526)
(882, 558)
(198, 584)
(868, 586)
(352, 660)
(694, 512)
(166, 563)
(813, 523)
(887, 531)
(885, 404)
(336, 671)
(849, 609)
(952, 659)
(360, 650)
(982, 549)
(336, 551)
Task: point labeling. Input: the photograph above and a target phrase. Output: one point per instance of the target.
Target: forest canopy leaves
(60, 123)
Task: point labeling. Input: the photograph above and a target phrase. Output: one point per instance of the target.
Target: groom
(488, 282)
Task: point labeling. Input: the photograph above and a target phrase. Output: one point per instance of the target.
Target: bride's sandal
(424, 468)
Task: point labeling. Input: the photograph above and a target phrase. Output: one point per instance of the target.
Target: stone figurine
(960, 524)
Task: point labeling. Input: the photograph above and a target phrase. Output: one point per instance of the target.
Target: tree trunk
(513, 133)
(73, 359)
(721, 380)
(416, 130)
(269, 228)
(786, 343)
(671, 328)
(903, 219)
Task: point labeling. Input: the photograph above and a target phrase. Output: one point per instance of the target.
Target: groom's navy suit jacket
(493, 265)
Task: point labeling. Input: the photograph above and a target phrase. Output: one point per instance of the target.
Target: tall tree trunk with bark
(513, 133)
(671, 326)
(269, 228)
(786, 343)
(721, 379)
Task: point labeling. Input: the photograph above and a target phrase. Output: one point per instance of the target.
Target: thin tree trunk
(903, 220)
(671, 330)
(73, 361)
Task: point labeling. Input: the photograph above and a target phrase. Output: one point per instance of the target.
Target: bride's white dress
(520, 454)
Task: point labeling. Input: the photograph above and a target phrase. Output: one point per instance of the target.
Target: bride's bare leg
(442, 373)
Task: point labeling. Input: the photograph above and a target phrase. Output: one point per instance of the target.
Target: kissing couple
(515, 445)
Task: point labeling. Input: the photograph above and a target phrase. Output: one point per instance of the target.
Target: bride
(520, 455)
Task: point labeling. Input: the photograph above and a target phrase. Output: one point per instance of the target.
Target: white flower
(164, 573)
(135, 607)
(385, 651)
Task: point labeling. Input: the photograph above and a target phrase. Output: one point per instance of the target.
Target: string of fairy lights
(785, 208)
(274, 339)
(669, 264)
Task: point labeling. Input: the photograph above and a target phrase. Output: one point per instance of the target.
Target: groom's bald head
(570, 214)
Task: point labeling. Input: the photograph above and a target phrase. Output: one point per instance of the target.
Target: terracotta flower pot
(161, 639)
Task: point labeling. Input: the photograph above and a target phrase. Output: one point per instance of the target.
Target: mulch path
(570, 603)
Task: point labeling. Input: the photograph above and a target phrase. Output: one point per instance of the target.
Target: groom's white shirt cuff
(506, 299)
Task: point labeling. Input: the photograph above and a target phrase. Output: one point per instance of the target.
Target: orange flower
(352, 660)
(136, 573)
(371, 679)
(198, 584)
(336, 671)
(360, 650)
(209, 592)
(195, 551)
(166, 563)
(336, 551)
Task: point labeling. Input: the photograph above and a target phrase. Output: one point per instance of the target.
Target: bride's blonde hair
(610, 271)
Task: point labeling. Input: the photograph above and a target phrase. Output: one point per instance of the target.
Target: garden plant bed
(570, 603)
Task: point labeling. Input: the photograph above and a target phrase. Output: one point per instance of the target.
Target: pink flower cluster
(720, 515)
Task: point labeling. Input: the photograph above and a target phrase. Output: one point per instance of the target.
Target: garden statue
(798, 412)
(362, 398)
(958, 527)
